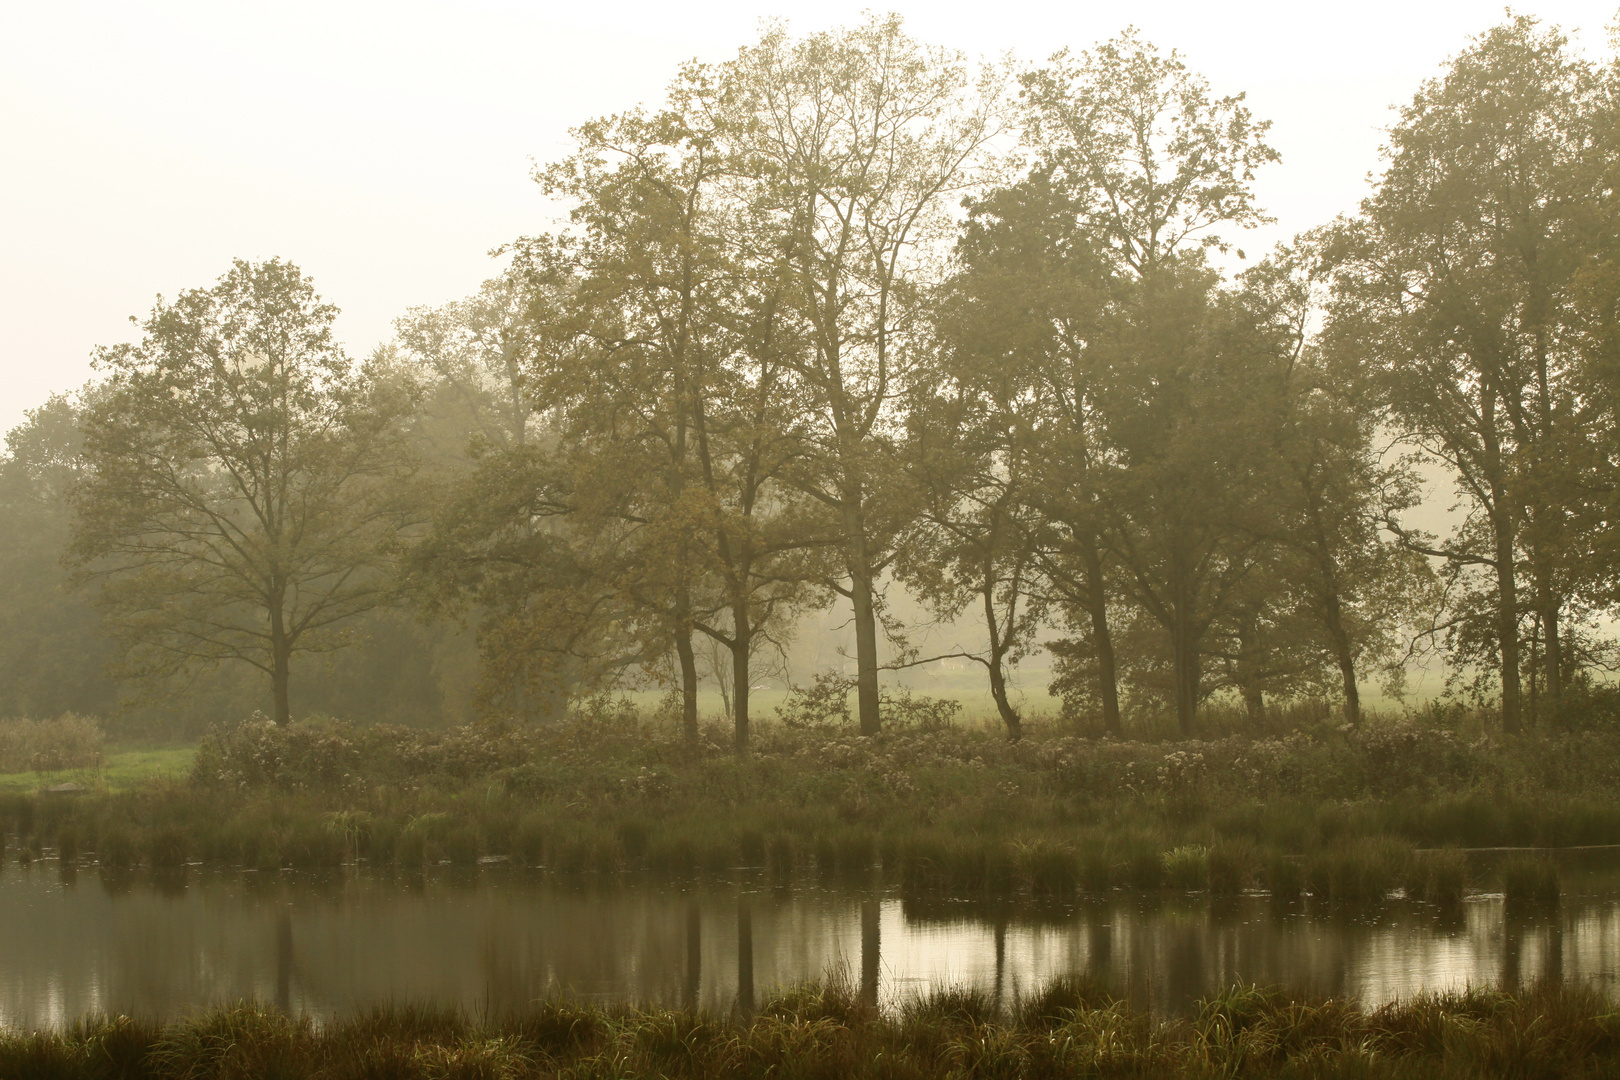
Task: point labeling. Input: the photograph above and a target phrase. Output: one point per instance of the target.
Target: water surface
(496, 939)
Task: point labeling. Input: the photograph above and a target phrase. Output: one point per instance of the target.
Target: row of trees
(848, 314)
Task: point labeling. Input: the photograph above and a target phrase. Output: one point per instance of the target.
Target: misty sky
(386, 148)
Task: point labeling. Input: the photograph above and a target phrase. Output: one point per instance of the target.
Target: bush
(68, 742)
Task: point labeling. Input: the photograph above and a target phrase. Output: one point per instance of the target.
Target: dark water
(493, 940)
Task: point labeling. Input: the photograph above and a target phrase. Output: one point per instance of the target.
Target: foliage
(237, 502)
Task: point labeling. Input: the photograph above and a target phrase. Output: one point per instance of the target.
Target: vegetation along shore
(934, 807)
(1070, 1029)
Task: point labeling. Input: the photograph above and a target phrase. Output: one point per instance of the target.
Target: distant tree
(52, 651)
(474, 356)
(239, 497)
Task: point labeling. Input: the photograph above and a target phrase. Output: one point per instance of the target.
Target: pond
(74, 942)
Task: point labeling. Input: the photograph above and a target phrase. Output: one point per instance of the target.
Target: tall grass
(67, 742)
(1070, 1028)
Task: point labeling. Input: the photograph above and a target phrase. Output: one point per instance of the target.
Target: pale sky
(385, 148)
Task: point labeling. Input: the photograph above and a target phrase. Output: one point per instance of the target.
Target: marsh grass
(1071, 1027)
(1530, 880)
(1438, 877)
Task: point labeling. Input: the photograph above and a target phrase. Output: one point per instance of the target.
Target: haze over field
(386, 148)
(912, 557)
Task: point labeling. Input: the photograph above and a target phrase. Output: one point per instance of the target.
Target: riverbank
(935, 808)
(1070, 1029)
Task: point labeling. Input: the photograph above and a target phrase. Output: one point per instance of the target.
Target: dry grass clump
(1073, 1028)
(68, 742)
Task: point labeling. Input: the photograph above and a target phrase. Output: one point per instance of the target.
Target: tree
(848, 146)
(238, 502)
(976, 548)
(1151, 167)
(1349, 587)
(51, 648)
(684, 379)
(1021, 325)
(1454, 296)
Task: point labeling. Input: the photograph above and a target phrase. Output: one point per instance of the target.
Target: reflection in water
(319, 946)
(745, 955)
(871, 942)
(694, 954)
(284, 958)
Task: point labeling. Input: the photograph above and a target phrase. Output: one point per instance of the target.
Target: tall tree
(1022, 324)
(686, 367)
(1153, 167)
(1455, 297)
(851, 145)
(976, 548)
(1351, 587)
(239, 497)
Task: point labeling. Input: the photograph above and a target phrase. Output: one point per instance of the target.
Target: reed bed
(1071, 1029)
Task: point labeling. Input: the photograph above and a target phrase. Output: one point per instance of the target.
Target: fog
(645, 540)
(386, 149)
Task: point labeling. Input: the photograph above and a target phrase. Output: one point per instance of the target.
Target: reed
(1070, 1027)
(1438, 877)
(1530, 880)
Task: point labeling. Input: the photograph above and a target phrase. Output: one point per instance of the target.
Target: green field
(122, 770)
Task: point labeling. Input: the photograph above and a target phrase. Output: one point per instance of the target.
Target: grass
(122, 770)
(1071, 1028)
(1342, 815)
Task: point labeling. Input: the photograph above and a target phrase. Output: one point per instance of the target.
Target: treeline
(847, 313)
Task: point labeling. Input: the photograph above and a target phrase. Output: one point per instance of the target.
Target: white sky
(386, 148)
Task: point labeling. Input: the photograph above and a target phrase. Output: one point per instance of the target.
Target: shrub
(68, 742)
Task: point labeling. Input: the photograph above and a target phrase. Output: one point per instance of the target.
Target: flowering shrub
(322, 754)
(68, 742)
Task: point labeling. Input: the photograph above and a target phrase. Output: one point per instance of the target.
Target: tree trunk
(1554, 660)
(689, 683)
(866, 662)
(1507, 587)
(1183, 643)
(1103, 639)
(741, 638)
(1185, 652)
(280, 666)
(998, 649)
(998, 690)
(1507, 622)
(1333, 619)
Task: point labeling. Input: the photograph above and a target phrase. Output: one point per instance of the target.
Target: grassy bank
(936, 808)
(1070, 1030)
(120, 770)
